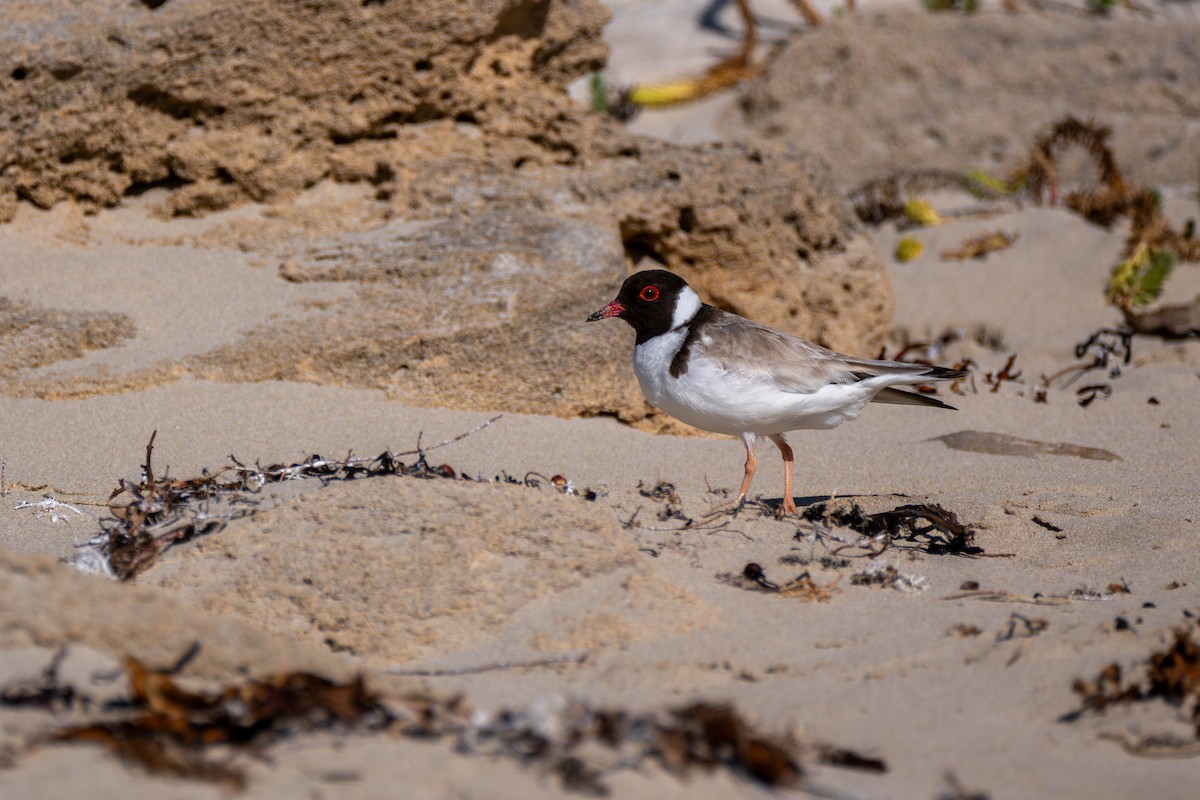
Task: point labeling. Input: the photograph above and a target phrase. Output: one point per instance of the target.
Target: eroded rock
(234, 100)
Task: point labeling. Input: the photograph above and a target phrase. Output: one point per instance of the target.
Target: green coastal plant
(598, 92)
(1138, 280)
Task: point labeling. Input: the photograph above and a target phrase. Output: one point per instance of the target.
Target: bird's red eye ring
(649, 294)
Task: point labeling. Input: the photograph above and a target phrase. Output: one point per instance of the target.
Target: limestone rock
(231, 100)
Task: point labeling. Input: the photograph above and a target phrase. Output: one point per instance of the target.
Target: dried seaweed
(1171, 675)
(888, 577)
(936, 529)
(1153, 244)
(157, 513)
(951, 535)
(46, 692)
(169, 729)
(1004, 374)
(803, 586)
(1039, 174)
(978, 247)
(1021, 626)
(887, 198)
(1110, 347)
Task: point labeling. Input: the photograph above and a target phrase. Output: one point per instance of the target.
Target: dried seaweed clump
(169, 729)
(935, 528)
(1153, 245)
(1171, 675)
(153, 515)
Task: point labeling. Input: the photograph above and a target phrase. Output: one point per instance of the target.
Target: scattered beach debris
(803, 586)
(1081, 593)
(1152, 248)
(168, 728)
(1005, 373)
(1022, 627)
(49, 507)
(888, 577)
(978, 247)
(1107, 346)
(1171, 675)
(725, 73)
(1003, 444)
(1050, 526)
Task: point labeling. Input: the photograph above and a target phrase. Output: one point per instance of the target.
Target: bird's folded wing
(757, 353)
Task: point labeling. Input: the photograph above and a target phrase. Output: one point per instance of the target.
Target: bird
(723, 373)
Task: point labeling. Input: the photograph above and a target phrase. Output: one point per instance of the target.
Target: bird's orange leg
(789, 503)
(748, 439)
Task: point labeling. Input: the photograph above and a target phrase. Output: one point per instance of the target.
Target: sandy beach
(268, 247)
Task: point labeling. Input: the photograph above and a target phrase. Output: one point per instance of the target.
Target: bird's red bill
(613, 309)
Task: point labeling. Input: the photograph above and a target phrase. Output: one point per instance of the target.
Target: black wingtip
(944, 373)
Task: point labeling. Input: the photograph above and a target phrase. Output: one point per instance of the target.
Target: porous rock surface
(247, 99)
(500, 216)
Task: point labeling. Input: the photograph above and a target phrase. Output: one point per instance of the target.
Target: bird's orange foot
(787, 507)
(722, 510)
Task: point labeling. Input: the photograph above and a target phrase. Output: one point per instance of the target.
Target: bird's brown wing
(791, 364)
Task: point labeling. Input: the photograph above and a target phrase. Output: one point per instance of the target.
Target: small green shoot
(1138, 280)
(598, 90)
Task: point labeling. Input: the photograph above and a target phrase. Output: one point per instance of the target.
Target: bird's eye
(649, 294)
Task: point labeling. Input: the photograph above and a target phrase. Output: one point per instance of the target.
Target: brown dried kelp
(942, 532)
(978, 247)
(803, 586)
(1111, 348)
(167, 728)
(935, 528)
(995, 379)
(1039, 174)
(1171, 675)
(153, 515)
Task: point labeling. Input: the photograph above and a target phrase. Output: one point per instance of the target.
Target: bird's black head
(648, 301)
